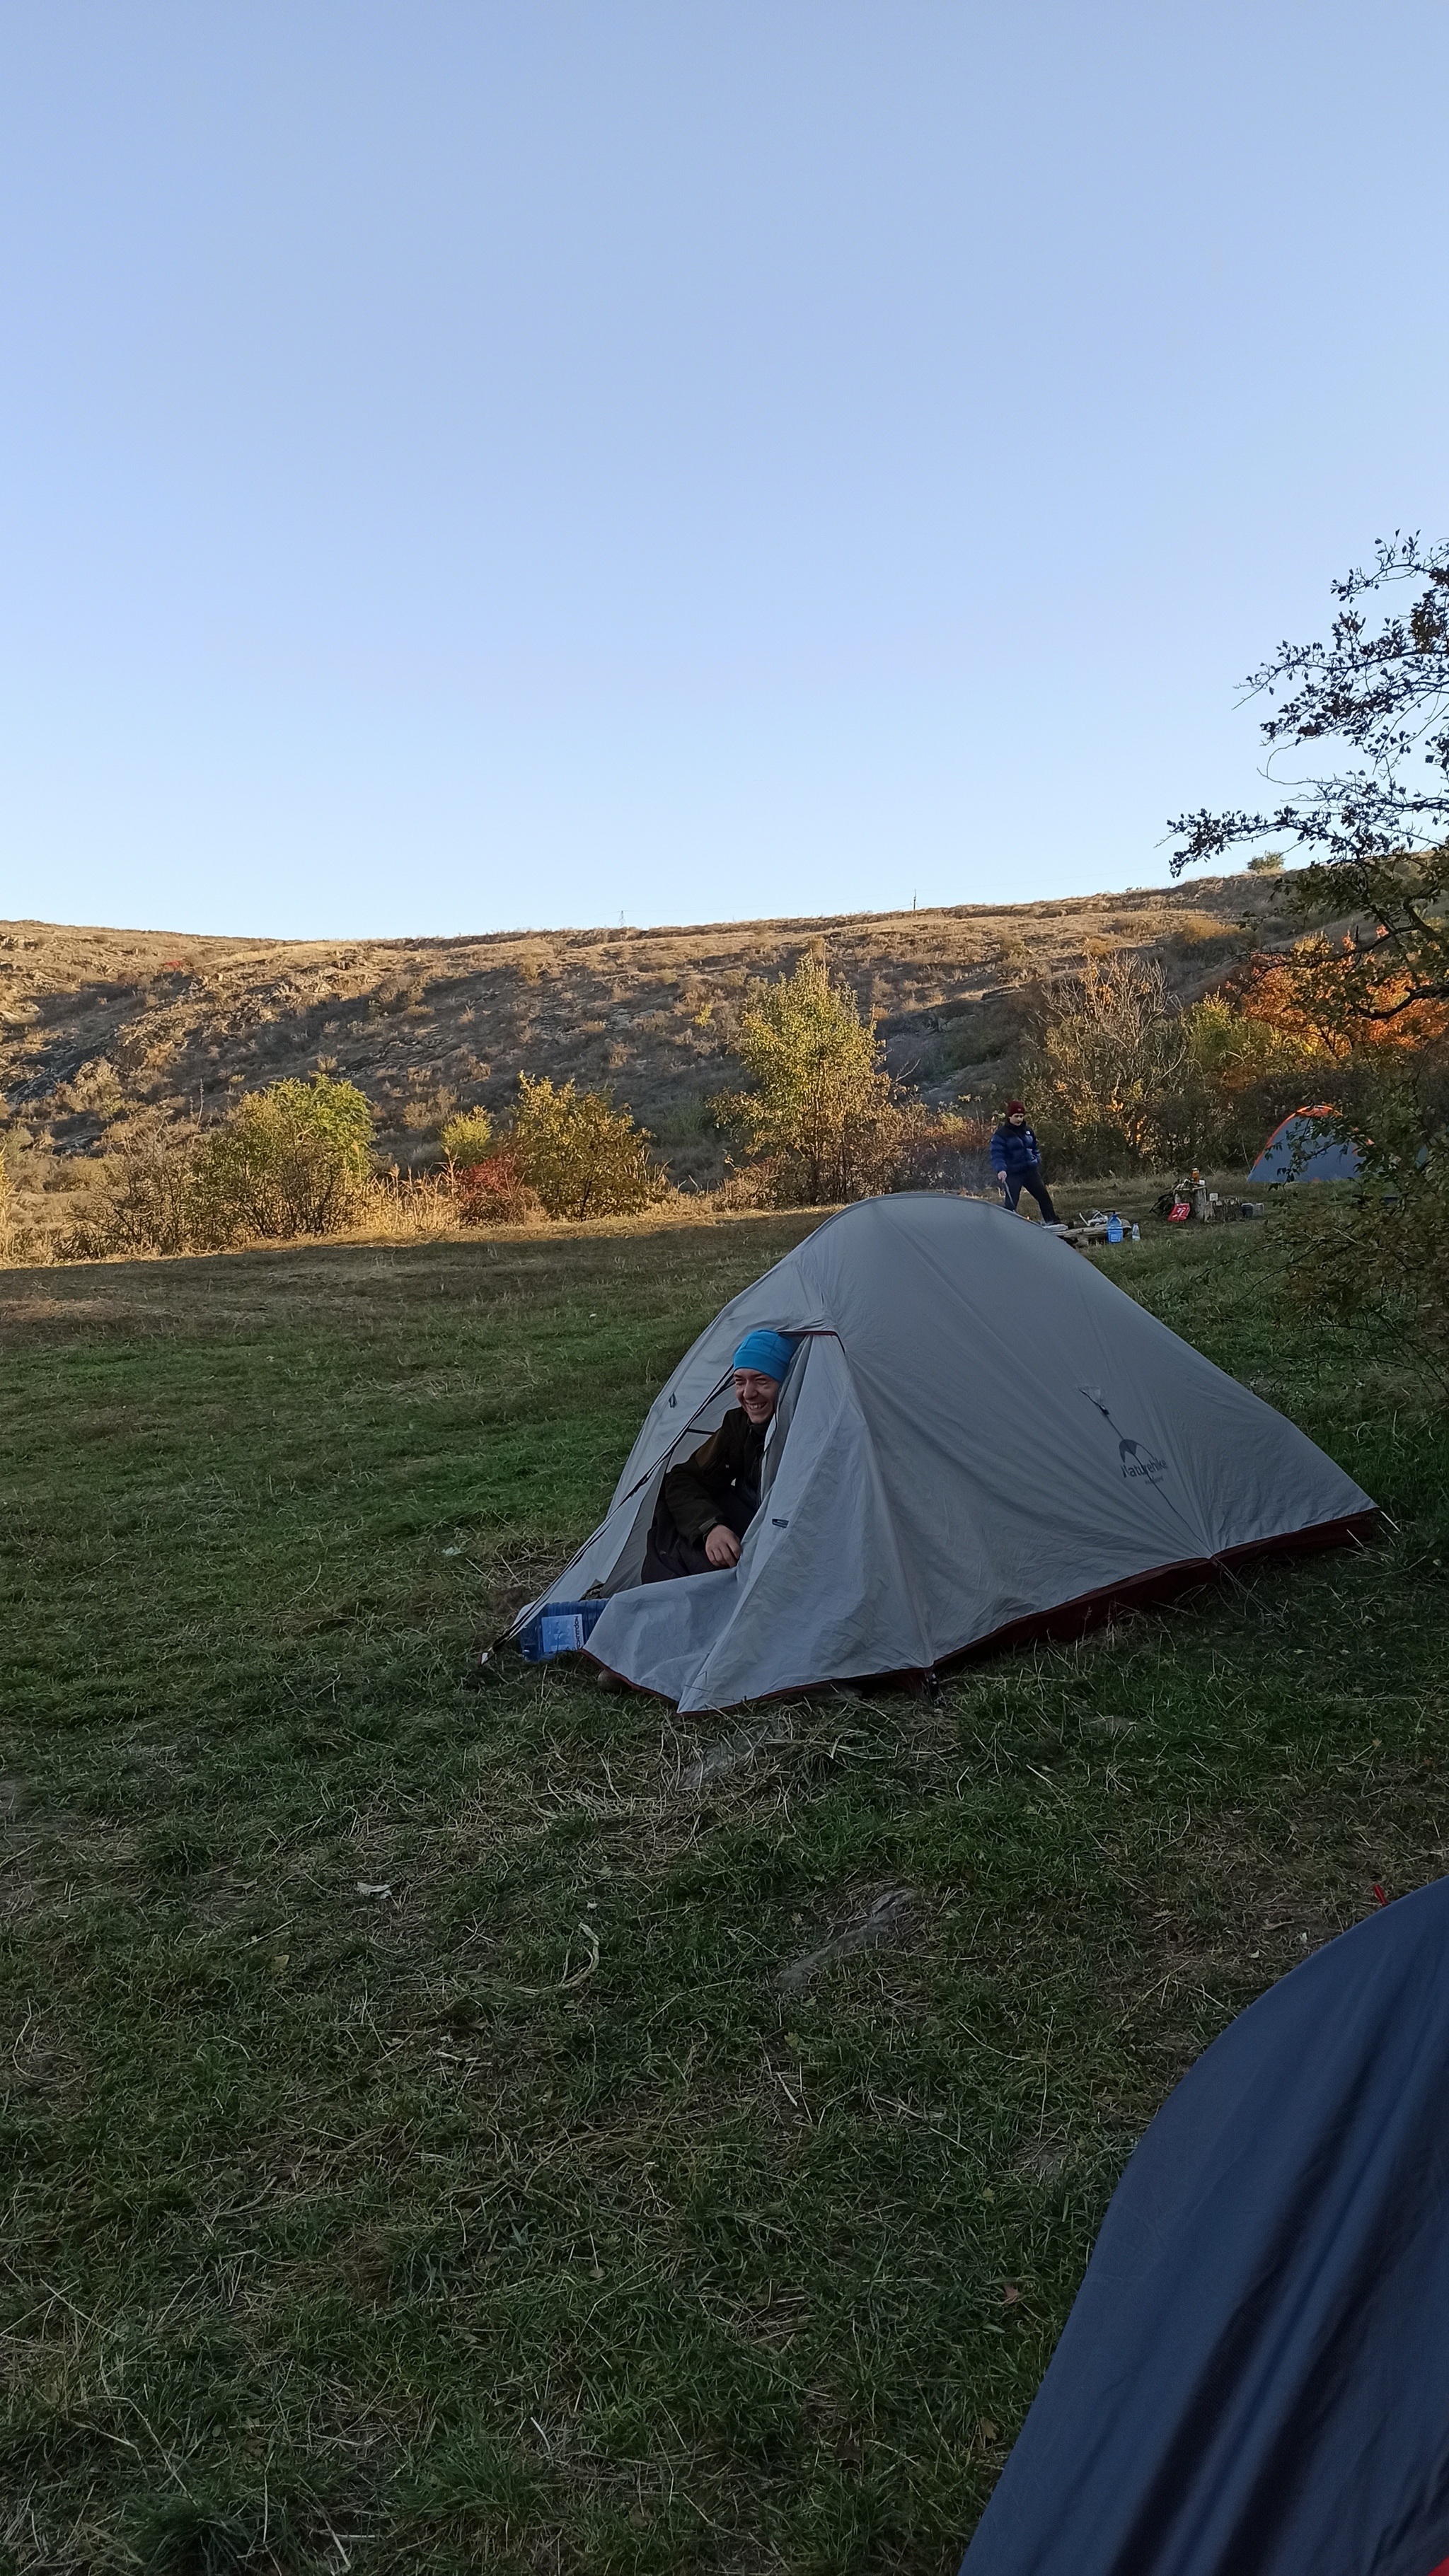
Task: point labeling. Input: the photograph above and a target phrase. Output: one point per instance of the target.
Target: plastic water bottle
(1114, 1228)
(1136, 1231)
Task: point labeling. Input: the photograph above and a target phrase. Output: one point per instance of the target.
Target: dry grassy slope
(99, 1022)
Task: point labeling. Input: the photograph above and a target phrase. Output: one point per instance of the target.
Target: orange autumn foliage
(1333, 998)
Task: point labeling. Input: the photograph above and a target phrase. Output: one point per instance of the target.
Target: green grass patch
(520, 2217)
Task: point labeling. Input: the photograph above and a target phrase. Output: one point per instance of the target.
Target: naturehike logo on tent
(1136, 1460)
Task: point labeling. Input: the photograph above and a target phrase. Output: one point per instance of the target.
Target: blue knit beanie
(770, 1353)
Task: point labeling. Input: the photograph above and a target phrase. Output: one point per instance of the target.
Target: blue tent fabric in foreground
(1307, 1147)
(1254, 2380)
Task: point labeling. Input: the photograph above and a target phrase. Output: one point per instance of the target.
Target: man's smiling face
(756, 1395)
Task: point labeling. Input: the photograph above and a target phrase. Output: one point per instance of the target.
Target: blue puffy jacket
(1014, 1150)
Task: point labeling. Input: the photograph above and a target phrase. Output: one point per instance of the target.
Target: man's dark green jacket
(727, 1465)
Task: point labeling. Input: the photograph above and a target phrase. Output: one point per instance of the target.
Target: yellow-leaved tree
(822, 1122)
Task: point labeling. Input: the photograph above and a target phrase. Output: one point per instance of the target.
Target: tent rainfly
(980, 1438)
(1308, 1147)
(1254, 2380)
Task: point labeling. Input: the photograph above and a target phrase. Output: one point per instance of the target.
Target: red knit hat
(1012, 1107)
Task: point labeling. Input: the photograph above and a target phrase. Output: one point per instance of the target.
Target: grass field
(413, 2160)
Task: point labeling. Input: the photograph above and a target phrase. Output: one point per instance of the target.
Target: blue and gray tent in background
(1254, 2380)
(1310, 1145)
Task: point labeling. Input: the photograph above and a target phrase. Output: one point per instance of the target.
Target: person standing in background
(1016, 1161)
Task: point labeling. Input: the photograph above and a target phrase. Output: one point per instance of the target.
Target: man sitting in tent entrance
(706, 1506)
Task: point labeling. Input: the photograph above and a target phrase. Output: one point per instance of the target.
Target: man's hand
(721, 1546)
(1001, 1176)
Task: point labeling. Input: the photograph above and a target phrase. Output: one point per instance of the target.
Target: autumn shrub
(495, 1192)
(287, 1161)
(1235, 1054)
(1319, 992)
(580, 1154)
(466, 1138)
(290, 1160)
(1296, 1025)
(1239, 1076)
(1120, 1078)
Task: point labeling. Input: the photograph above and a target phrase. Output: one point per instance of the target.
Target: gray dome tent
(980, 1436)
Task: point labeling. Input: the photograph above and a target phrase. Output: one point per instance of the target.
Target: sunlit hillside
(96, 1025)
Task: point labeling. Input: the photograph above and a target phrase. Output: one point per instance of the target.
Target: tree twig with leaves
(1377, 831)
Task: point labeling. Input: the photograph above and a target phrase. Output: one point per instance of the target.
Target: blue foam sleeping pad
(559, 1628)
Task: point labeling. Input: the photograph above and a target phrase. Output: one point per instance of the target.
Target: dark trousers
(670, 1554)
(1030, 1179)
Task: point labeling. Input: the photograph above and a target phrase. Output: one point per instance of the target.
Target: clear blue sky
(472, 463)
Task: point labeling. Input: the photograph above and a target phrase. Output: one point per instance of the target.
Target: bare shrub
(1106, 1064)
(749, 1185)
(148, 1205)
(426, 1111)
(95, 1089)
(948, 1153)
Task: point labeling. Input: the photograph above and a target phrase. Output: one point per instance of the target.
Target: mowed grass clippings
(516, 2129)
